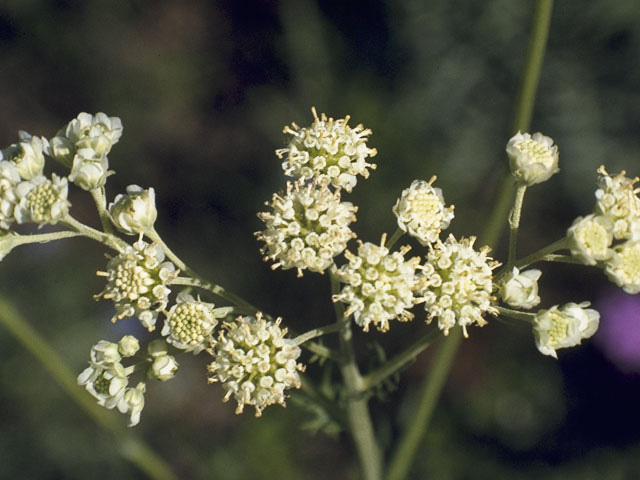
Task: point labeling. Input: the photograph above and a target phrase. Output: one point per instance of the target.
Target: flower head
(42, 201)
(137, 282)
(89, 170)
(135, 212)
(329, 150)
(128, 346)
(623, 268)
(189, 323)
(564, 327)
(617, 201)
(27, 154)
(9, 179)
(97, 133)
(308, 227)
(533, 158)
(421, 212)
(105, 378)
(520, 290)
(254, 362)
(456, 284)
(132, 402)
(378, 285)
(591, 237)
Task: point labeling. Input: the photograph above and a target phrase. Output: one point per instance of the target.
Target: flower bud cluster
(378, 285)
(308, 227)
(532, 158)
(189, 323)
(421, 212)
(329, 150)
(564, 327)
(254, 362)
(107, 379)
(137, 282)
(456, 284)
(520, 290)
(83, 145)
(610, 236)
(134, 212)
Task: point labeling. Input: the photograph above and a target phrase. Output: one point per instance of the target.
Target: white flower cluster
(564, 327)
(137, 282)
(135, 212)
(378, 285)
(189, 323)
(107, 379)
(83, 145)
(26, 195)
(520, 290)
(308, 227)
(421, 212)
(532, 158)
(254, 362)
(456, 284)
(329, 150)
(610, 237)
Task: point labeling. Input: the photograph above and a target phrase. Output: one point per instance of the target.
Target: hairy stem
(131, 447)
(100, 199)
(514, 222)
(317, 332)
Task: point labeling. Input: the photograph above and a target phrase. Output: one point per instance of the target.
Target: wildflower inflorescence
(137, 282)
(254, 362)
(329, 150)
(308, 227)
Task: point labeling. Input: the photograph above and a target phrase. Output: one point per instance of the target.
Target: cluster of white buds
(379, 285)
(610, 237)
(520, 290)
(456, 284)
(254, 362)
(41, 200)
(421, 212)
(27, 154)
(308, 227)
(9, 180)
(532, 158)
(163, 366)
(83, 145)
(134, 212)
(564, 327)
(189, 323)
(137, 282)
(329, 150)
(107, 378)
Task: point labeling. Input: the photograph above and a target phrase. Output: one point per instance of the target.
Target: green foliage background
(203, 89)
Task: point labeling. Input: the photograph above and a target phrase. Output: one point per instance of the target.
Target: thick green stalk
(357, 409)
(409, 442)
(132, 448)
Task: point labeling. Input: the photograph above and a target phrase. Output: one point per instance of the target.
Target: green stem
(107, 239)
(197, 280)
(100, 199)
(516, 314)
(411, 438)
(408, 446)
(132, 448)
(541, 254)
(10, 240)
(514, 222)
(357, 409)
(394, 238)
(394, 364)
(317, 332)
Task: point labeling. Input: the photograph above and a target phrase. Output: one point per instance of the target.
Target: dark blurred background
(203, 89)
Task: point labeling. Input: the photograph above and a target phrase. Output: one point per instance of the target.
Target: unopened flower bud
(27, 155)
(163, 367)
(520, 290)
(564, 327)
(89, 170)
(134, 212)
(533, 158)
(128, 346)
